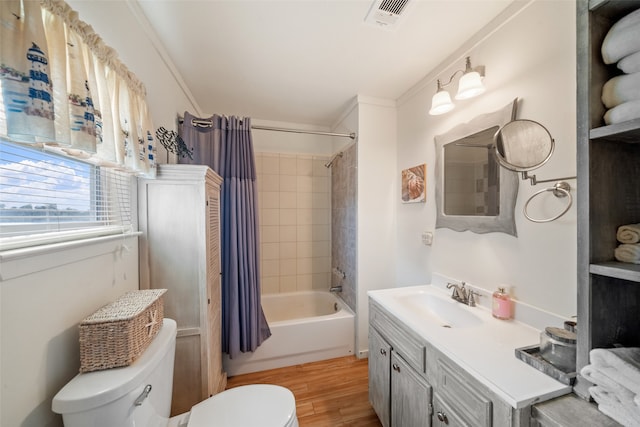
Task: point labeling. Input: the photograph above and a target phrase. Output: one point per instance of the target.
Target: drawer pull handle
(442, 417)
(383, 352)
(396, 367)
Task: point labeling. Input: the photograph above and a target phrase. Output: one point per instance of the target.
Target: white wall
(530, 56)
(378, 190)
(43, 299)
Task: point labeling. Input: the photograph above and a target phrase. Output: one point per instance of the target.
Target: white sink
(450, 313)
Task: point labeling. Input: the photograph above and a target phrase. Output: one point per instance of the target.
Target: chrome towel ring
(560, 189)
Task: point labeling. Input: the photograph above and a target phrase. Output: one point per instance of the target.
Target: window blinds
(48, 198)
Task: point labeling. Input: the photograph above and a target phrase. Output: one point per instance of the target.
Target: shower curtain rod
(208, 123)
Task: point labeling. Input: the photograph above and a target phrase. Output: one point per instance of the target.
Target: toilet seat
(259, 405)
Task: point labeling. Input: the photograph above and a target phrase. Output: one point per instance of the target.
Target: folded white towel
(629, 233)
(628, 252)
(618, 405)
(621, 365)
(621, 113)
(622, 39)
(630, 64)
(619, 89)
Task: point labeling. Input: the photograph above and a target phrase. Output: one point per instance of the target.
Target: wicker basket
(118, 333)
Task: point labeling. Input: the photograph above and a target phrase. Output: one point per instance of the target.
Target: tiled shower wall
(344, 217)
(294, 202)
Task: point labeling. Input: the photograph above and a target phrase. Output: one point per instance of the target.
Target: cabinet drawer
(405, 344)
(464, 398)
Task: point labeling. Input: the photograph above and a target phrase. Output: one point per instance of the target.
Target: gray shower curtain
(227, 147)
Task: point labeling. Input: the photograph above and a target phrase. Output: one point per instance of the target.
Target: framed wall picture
(414, 184)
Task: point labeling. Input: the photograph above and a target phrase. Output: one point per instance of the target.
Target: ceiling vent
(386, 13)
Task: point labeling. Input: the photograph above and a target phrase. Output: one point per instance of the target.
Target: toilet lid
(259, 405)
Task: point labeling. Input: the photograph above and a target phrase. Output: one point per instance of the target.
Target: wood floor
(330, 393)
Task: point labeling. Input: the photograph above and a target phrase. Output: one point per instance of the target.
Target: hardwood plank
(329, 393)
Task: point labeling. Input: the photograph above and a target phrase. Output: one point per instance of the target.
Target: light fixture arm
(467, 69)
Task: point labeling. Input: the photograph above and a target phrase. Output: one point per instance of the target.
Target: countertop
(485, 350)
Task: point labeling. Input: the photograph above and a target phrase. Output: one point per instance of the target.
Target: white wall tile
(288, 165)
(288, 200)
(288, 250)
(269, 200)
(304, 184)
(270, 251)
(288, 233)
(271, 217)
(270, 164)
(304, 166)
(288, 284)
(270, 182)
(288, 182)
(288, 267)
(288, 217)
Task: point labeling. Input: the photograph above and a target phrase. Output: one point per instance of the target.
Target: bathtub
(305, 327)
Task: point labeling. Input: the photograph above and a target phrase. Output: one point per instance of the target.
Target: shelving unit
(608, 195)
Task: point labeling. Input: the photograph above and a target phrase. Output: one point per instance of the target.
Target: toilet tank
(108, 398)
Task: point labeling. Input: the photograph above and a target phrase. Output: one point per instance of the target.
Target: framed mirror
(472, 191)
(523, 145)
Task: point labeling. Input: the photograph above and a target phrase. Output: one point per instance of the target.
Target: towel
(618, 405)
(616, 365)
(629, 233)
(621, 113)
(630, 64)
(623, 38)
(621, 89)
(628, 252)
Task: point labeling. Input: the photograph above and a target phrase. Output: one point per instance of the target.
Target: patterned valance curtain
(63, 88)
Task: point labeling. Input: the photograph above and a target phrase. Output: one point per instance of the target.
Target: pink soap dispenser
(502, 305)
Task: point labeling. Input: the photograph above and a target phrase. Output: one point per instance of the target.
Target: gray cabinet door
(380, 376)
(410, 396)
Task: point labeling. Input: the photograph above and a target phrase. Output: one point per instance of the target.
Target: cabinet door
(410, 396)
(379, 376)
(444, 416)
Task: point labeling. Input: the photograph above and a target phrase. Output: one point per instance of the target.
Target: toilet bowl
(140, 395)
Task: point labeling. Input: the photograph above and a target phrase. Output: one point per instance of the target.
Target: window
(49, 198)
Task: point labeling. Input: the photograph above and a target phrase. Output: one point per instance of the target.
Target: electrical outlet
(427, 238)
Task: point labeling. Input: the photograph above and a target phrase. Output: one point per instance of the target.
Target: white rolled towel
(628, 252)
(629, 233)
(621, 113)
(622, 39)
(617, 404)
(620, 89)
(630, 64)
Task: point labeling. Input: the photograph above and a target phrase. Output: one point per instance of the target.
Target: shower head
(333, 159)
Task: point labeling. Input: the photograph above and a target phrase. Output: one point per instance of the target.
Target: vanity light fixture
(470, 85)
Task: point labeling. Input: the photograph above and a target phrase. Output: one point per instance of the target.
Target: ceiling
(303, 61)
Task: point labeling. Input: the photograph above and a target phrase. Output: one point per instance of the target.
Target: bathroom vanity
(434, 361)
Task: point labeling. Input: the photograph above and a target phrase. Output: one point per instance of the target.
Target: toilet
(140, 395)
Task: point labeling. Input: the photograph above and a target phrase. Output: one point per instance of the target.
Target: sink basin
(449, 312)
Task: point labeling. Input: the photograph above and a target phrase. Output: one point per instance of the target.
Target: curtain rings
(560, 189)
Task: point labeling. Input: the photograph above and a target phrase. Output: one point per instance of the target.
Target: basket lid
(94, 389)
(126, 307)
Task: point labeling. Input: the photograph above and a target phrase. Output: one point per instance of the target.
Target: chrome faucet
(336, 289)
(462, 294)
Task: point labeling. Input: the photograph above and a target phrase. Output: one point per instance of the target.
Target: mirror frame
(504, 222)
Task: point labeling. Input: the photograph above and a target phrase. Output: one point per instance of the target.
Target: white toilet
(140, 395)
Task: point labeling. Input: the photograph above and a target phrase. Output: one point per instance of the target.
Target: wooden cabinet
(179, 216)
(398, 389)
(608, 195)
(412, 383)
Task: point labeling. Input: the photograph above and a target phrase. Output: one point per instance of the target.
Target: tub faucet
(335, 289)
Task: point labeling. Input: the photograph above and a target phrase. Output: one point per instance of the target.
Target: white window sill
(20, 262)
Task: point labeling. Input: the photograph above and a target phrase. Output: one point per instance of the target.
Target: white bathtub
(305, 327)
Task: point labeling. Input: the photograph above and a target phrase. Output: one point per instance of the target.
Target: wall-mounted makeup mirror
(523, 145)
(472, 191)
